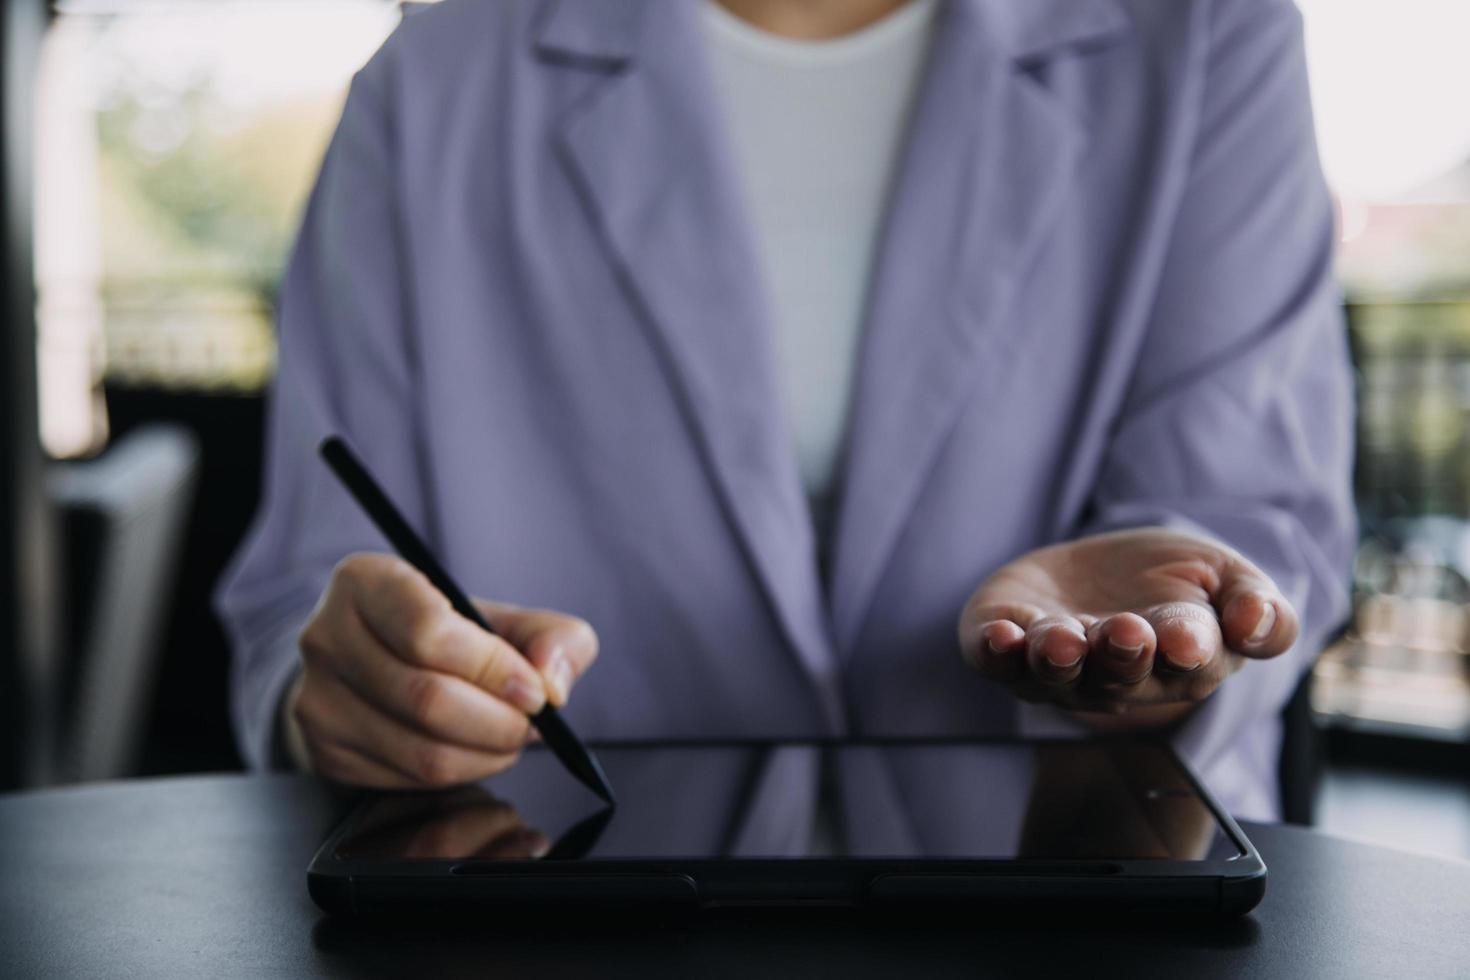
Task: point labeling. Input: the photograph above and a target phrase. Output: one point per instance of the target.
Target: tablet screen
(906, 800)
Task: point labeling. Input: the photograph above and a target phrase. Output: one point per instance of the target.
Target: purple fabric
(526, 291)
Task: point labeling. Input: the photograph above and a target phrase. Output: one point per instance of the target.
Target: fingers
(559, 647)
(1130, 622)
(993, 638)
(415, 621)
(1255, 617)
(1192, 660)
(1172, 653)
(1055, 649)
(1188, 636)
(1015, 642)
(351, 741)
(1122, 652)
(999, 651)
(440, 705)
(399, 691)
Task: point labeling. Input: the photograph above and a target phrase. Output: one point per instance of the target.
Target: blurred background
(156, 156)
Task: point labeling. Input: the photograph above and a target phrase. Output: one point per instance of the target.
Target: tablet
(876, 823)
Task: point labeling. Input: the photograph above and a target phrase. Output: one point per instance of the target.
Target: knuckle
(321, 637)
(346, 573)
(301, 711)
(355, 571)
(427, 632)
(399, 575)
(426, 694)
(435, 765)
(312, 643)
(497, 660)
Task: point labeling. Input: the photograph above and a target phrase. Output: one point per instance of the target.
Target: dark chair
(1300, 770)
(122, 520)
(1303, 749)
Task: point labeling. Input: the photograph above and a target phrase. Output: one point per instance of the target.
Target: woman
(767, 342)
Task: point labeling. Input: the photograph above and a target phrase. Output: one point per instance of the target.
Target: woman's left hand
(1132, 628)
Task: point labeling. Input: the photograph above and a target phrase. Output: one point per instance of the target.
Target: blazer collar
(595, 32)
(1031, 30)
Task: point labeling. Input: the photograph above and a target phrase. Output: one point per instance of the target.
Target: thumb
(560, 647)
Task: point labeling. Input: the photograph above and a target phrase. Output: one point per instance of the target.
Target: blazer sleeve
(1239, 420)
(346, 366)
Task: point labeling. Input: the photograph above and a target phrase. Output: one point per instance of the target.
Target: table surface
(205, 876)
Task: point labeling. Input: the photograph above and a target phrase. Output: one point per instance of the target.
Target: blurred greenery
(1413, 409)
(1430, 328)
(197, 222)
(217, 205)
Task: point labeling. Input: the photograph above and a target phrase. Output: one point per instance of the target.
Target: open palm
(1130, 621)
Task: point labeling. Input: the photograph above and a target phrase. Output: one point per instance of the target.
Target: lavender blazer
(526, 289)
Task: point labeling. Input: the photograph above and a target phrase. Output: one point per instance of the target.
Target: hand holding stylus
(397, 690)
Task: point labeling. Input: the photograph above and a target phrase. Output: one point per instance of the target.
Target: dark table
(205, 877)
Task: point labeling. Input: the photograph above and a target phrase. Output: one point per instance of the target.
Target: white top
(817, 130)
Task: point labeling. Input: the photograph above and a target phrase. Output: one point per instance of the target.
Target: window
(1389, 82)
(176, 147)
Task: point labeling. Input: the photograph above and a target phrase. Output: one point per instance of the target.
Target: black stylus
(555, 732)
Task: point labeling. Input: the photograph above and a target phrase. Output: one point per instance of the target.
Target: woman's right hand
(399, 691)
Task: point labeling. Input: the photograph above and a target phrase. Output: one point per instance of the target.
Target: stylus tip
(595, 779)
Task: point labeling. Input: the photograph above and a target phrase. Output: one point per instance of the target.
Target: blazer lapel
(647, 150)
(990, 155)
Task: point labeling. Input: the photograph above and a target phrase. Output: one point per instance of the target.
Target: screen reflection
(916, 800)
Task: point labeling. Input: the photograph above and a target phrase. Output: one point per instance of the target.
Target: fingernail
(1182, 668)
(560, 674)
(1126, 654)
(1264, 624)
(1076, 658)
(525, 696)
